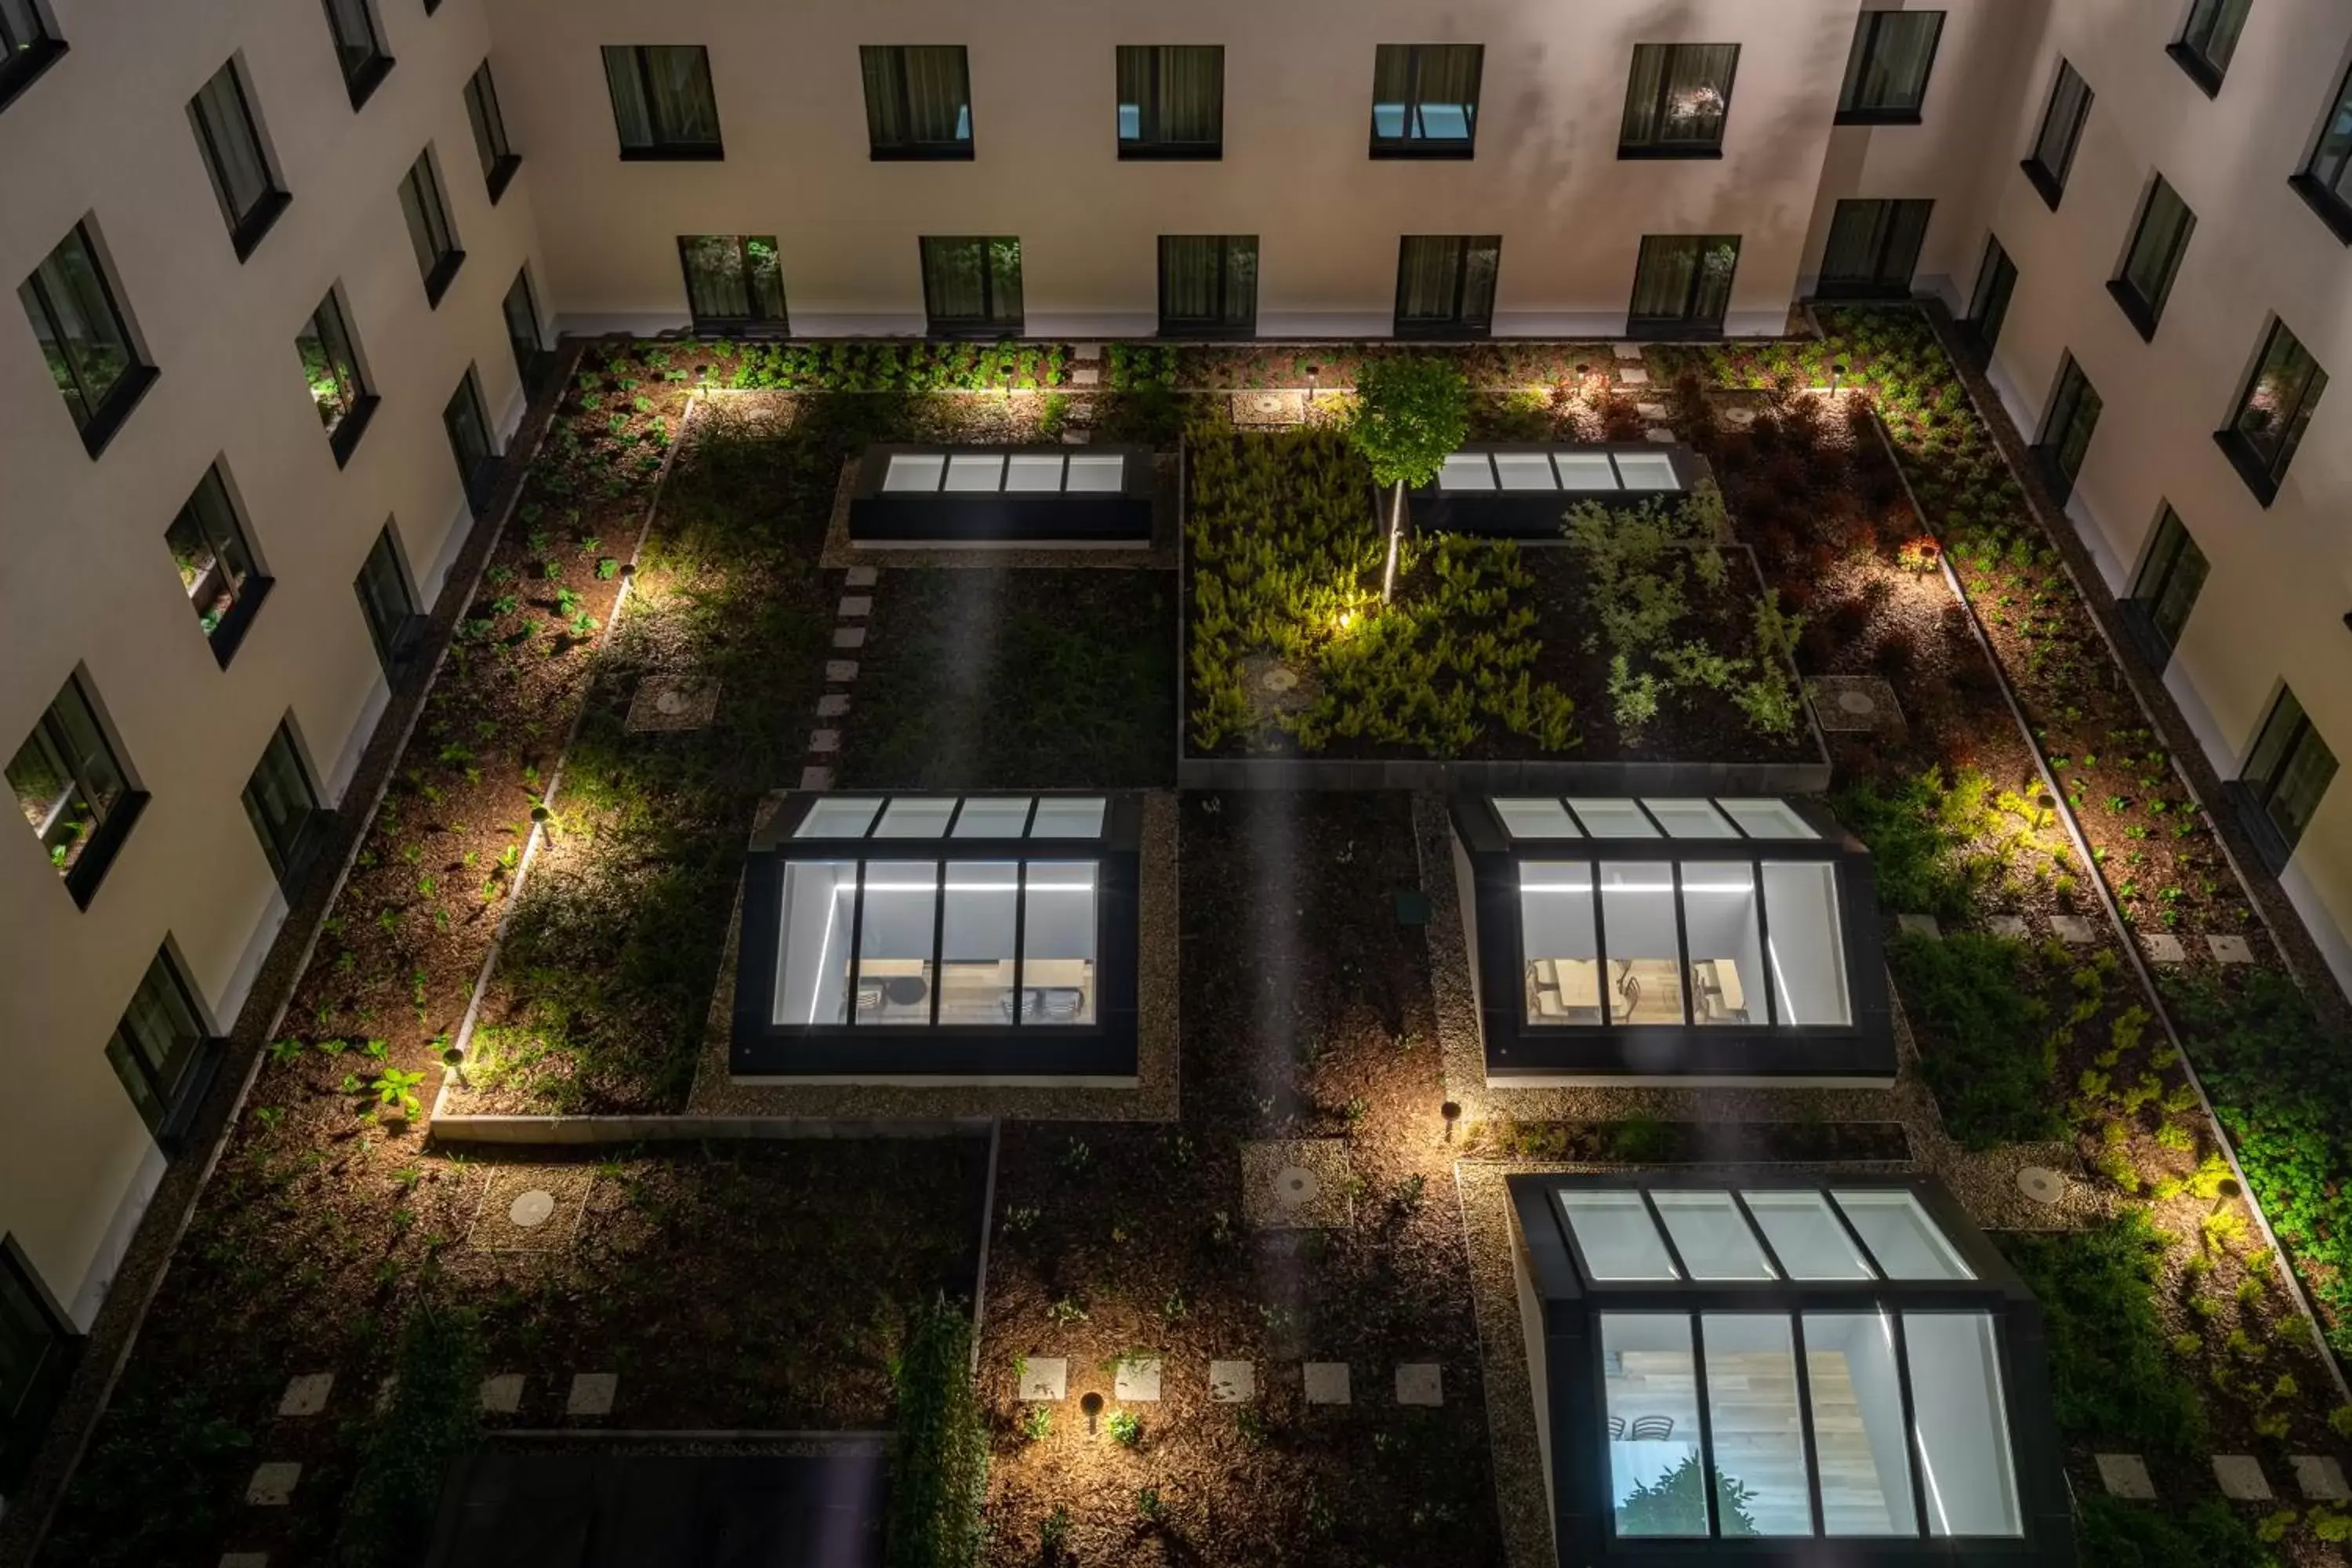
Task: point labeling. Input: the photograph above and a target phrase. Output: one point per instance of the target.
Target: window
(217, 570)
(521, 308)
(338, 384)
(2158, 242)
(917, 101)
(429, 234)
(85, 337)
(972, 285)
(387, 603)
(1683, 282)
(157, 1047)
(2284, 778)
(2274, 412)
(1208, 285)
(1988, 306)
(2167, 587)
(1677, 100)
(28, 46)
(1426, 99)
(662, 102)
(2326, 180)
(499, 160)
(2066, 429)
(249, 196)
(284, 809)
(1886, 72)
(2061, 128)
(1172, 100)
(73, 791)
(2207, 42)
(732, 280)
(1874, 248)
(359, 48)
(38, 1349)
(470, 439)
(1445, 284)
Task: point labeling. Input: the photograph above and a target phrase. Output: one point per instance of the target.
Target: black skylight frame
(1500, 514)
(1862, 1051)
(1102, 1052)
(1572, 1394)
(947, 517)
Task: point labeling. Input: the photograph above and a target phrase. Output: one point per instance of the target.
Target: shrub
(1989, 1058)
(435, 1413)
(2119, 1534)
(938, 1474)
(2110, 1380)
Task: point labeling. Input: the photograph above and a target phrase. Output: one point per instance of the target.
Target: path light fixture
(1837, 376)
(1092, 1405)
(2223, 1191)
(1315, 370)
(540, 814)
(629, 571)
(1453, 1113)
(455, 1056)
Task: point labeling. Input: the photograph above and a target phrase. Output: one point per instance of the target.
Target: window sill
(230, 632)
(346, 438)
(2333, 210)
(111, 414)
(736, 328)
(1835, 289)
(501, 175)
(1659, 330)
(188, 1099)
(1878, 117)
(1456, 152)
(980, 332)
(1198, 331)
(684, 152)
(2197, 68)
(2050, 186)
(249, 230)
(28, 68)
(1637, 154)
(437, 282)
(1170, 151)
(1445, 331)
(923, 153)
(2135, 309)
(366, 79)
(2269, 843)
(86, 873)
(2249, 467)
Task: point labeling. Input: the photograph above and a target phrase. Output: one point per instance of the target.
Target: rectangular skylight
(1805, 1235)
(1711, 1234)
(1647, 471)
(1534, 817)
(914, 471)
(1611, 818)
(1768, 819)
(917, 816)
(1524, 472)
(994, 816)
(1032, 471)
(1618, 1241)
(839, 816)
(1690, 819)
(1096, 474)
(1584, 470)
(1068, 816)
(1907, 1243)
(1466, 471)
(974, 471)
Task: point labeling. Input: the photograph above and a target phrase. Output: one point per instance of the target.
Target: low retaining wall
(603, 1130)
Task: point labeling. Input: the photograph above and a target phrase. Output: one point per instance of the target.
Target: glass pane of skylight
(1098, 474)
(1466, 471)
(992, 817)
(1857, 1425)
(1768, 819)
(1561, 945)
(1057, 936)
(1033, 471)
(1068, 816)
(976, 471)
(1584, 470)
(1726, 964)
(1647, 471)
(1757, 1430)
(813, 942)
(1711, 1236)
(839, 816)
(1805, 1235)
(1690, 818)
(1524, 472)
(1907, 1244)
(1962, 1429)
(894, 941)
(1534, 817)
(917, 816)
(1650, 1396)
(914, 471)
(1611, 818)
(1614, 1232)
(976, 942)
(1800, 912)
(1645, 965)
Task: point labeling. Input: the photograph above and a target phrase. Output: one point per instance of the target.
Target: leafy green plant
(1985, 1052)
(2109, 1378)
(938, 1474)
(1126, 1428)
(396, 1092)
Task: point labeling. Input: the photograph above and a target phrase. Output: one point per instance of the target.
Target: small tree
(1412, 413)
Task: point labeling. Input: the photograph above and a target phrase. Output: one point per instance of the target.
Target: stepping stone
(1653, 412)
(856, 606)
(1661, 438)
(1920, 925)
(593, 1394)
(1327, 1383)
(1232, 1382)
(824, 742)
(245, 1560)
(1087, 353)
(2242, 1478)
(2010, 926)
(306, 1394)
(502, 1394)
(1627, 351)
(2163, 948)
(2126, 1476)
(1138, 1380)
(1420, 1383)
(863, 577)
(841, 671)
(849, 636)
(2230, 949)
(1632, 376)
(2319, 1477)
(814, 777)
(1085, 375)
(273, 1484)
(833, 705)
(2075, 929)
(385, 1390)
(1045, 1379)
(1075, 438)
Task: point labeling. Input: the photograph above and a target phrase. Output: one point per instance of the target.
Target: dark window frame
(1996, 286)
(1654, 146)
(425, 210)
(498, 158)
(985, 325)
(530, 364)
(24, 59)
(2223, 21)
(2157, 609)
(1886, 235)
(756, 322)
(168, 1095)
(480, 477)
(1868, 29)
(96, 419)
(1462, 322)
(364, 74)
(2050, 184)
(2264, 474)
(28, 1400)
(396, 631)
(1219, 325)
(2330, 194)
(1150, 143)
(245, 230)
(2256, 797)
(351, 380)
(662, 145)
(912, 150)
(288, 860)
(102, 836)
(213, 502)
(2069, 396)
(1687, 324)
(2142, 312)
(1415, 141)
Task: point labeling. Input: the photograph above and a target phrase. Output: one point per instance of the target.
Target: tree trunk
(1396, 536)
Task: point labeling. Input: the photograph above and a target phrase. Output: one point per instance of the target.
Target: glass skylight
(1466, 471)
(929, 815)
(1612, 819)
(839, 816)
(914, 471)
(1720, 1237)
(1619, 1242)
(1579, 469)
(1022, 473)
(992, 817)
(1536, 818)
(1683, 817)
(1690, 819)
(1768, 819)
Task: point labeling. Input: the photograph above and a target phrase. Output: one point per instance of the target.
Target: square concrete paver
(1327, 1383)
(814, 777)
(856, 606)
(2320, 1477)
(1077, 438)
(2241, 1478)
(1233, 1382)
(1627, 352)
(273, 1484)
(2230, 949)
(2163, 948)
(306, 1394)
(1085, 353)
(593, 1394)
(2126, 1476)
(2075, 929)
(863, 577)
(1663, 438)
(824, 742)
(1653, 412)
(1045, 1379)
(1136, 1382)
(849, 636)
(502, 1394)
(1085, 374)
(841, 671)
(1632, 376)
(245, 1560)
(2011, 926)
(833, 705)
(1420, 1383)
(1920, 925)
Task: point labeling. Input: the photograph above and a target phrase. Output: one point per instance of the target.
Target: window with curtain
(1874, 248)
(2288, 772)
(1988, 305)
(2326, 180)
(1426, 99)
(429, 234)
(156, 1043)
(331, 364)
(1887, 71)
(2207, 40)
(1446, 283)
(663, 104)
(972, 285)
(385, 601)
(1208, 284)
(27, 47)
(231, 142)
(2274, 412)
(2066, 430)
(359, 47)
(1677, 100)
(498, 158)
(217, 571)
(2167, 587)
(732, 280)
(1682, 281)
(2062, 129)
(69, 785)
(469, 438)
(1172, 100)
(84, 338)
(917, 101)
(283, 807)
(2158, 241)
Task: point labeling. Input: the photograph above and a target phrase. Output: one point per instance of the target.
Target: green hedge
(2110, 1376)
(899, 367)
(1989, 1056)
(939, 1477)
(433, 1417)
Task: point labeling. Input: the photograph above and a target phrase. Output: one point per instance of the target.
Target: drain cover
(2041, 1184)
(1280, 679)
(531, 1209)
(1858, 703)
(1296, 1186)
